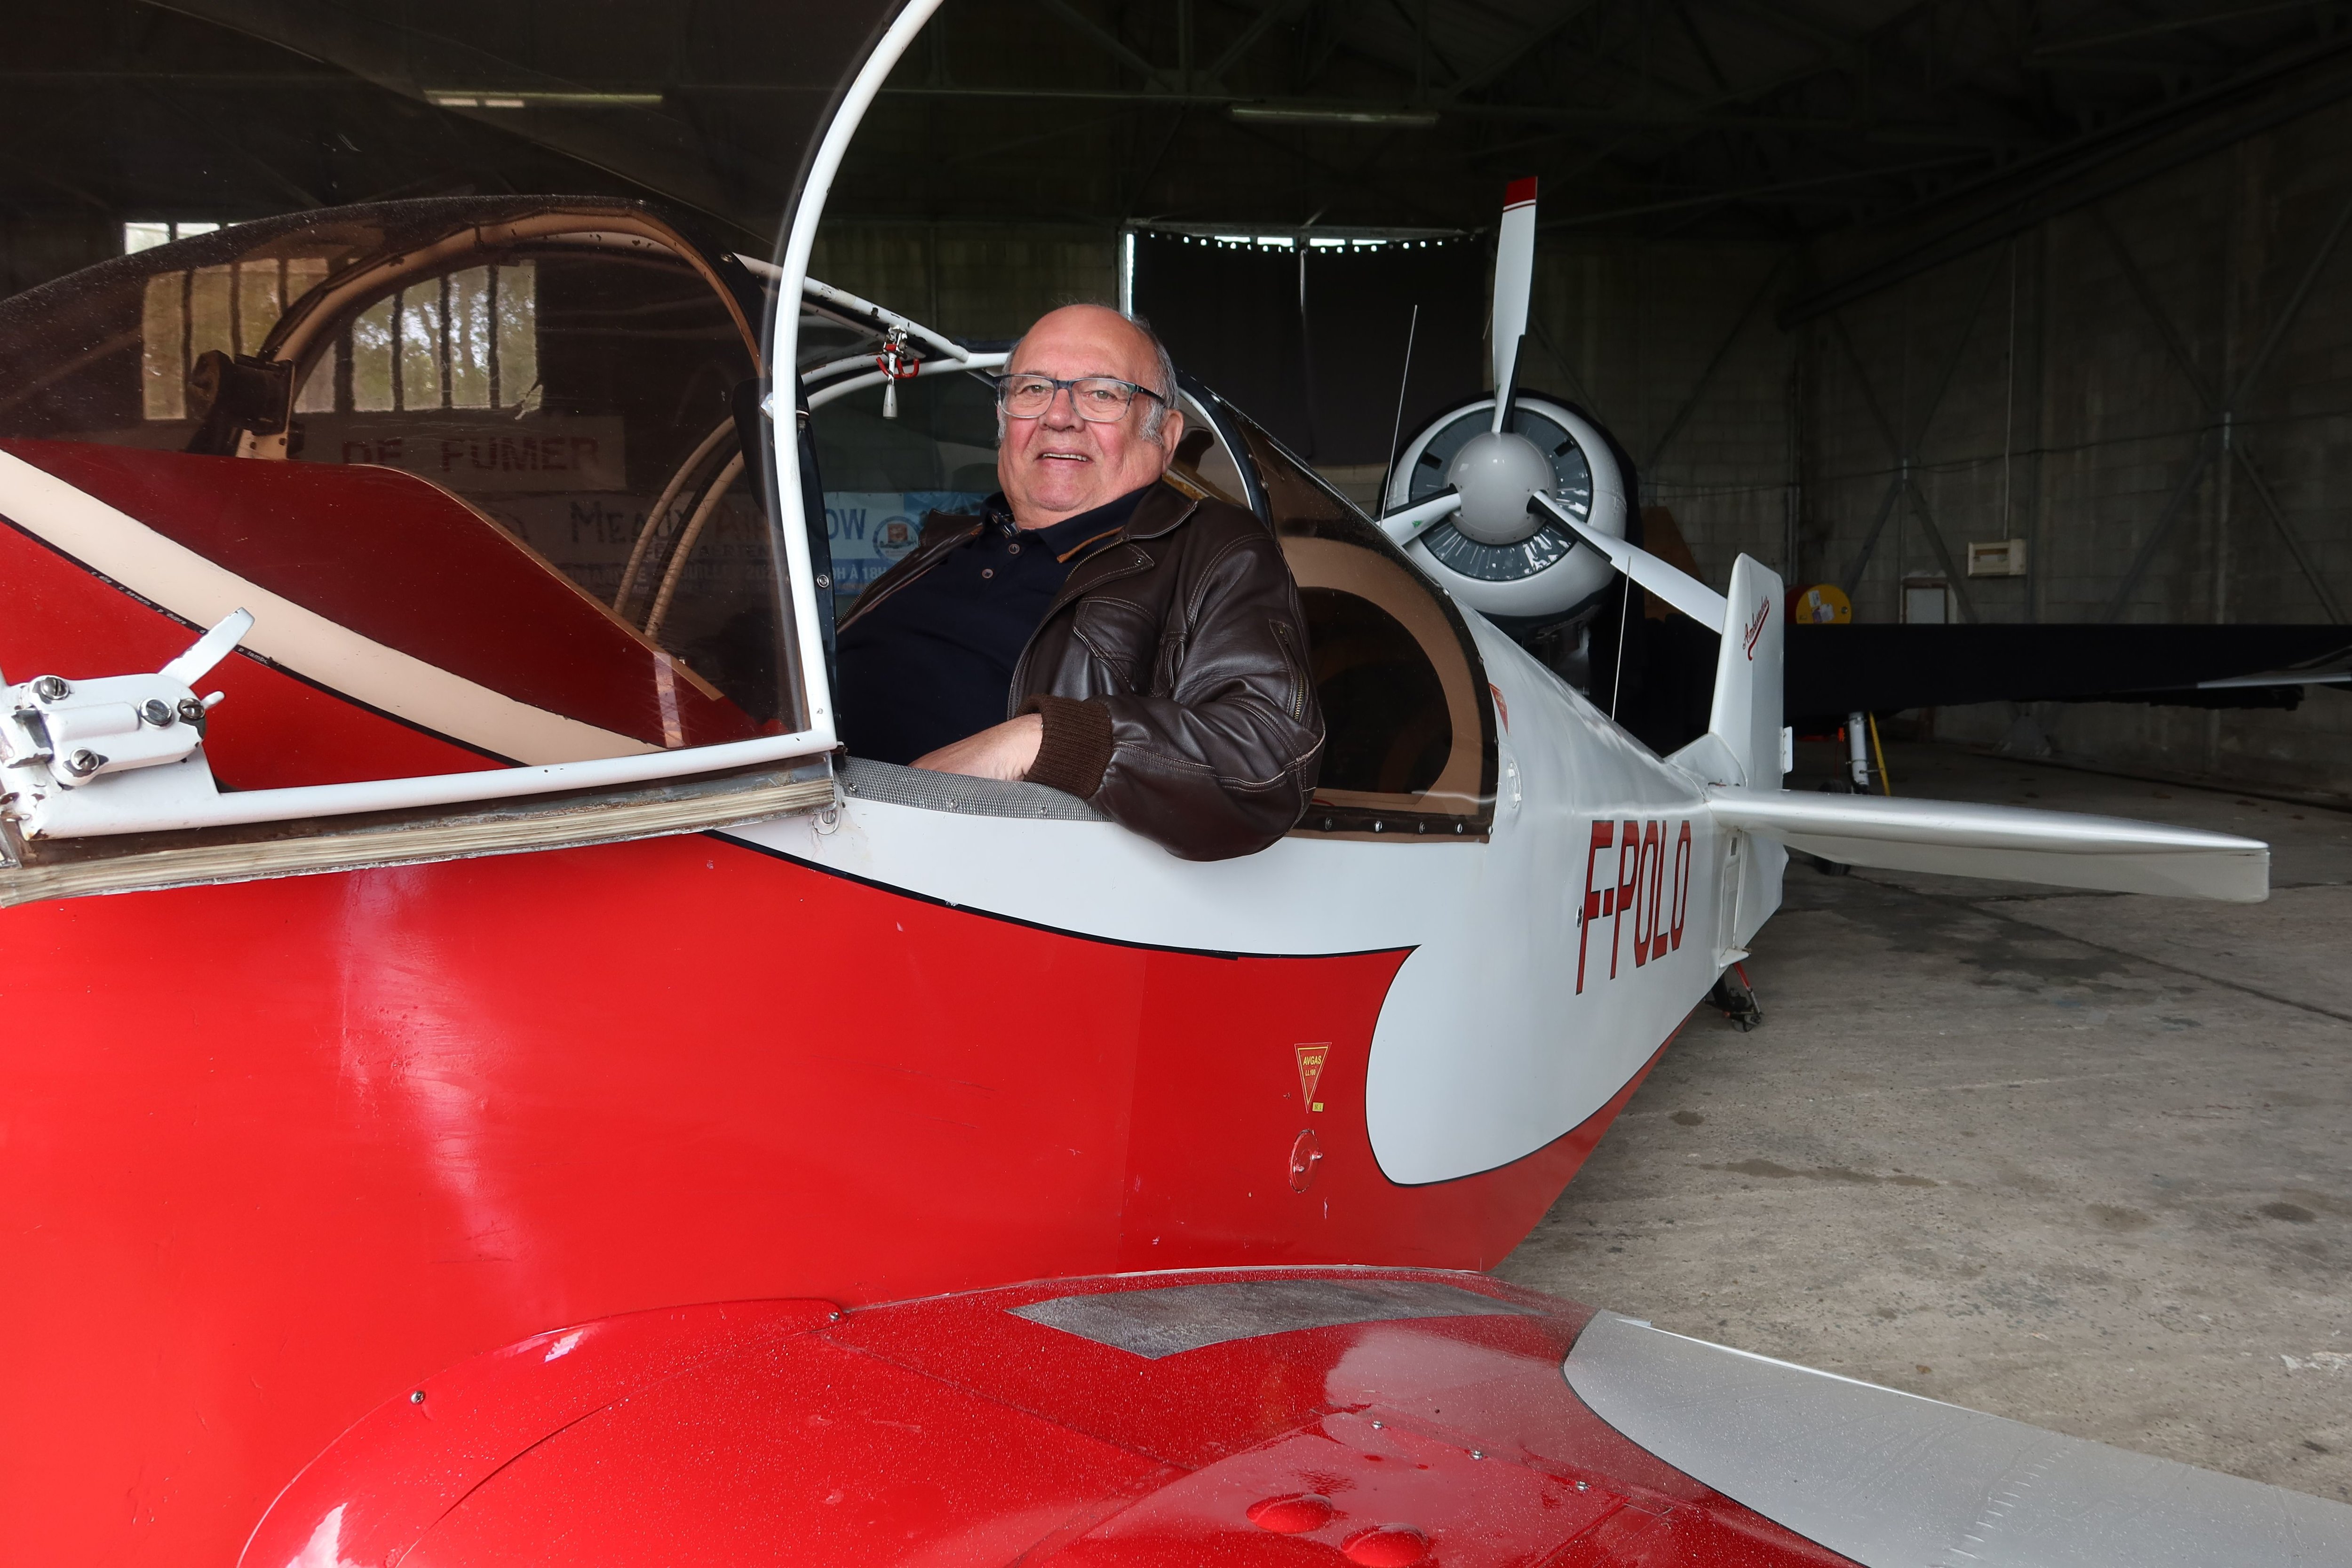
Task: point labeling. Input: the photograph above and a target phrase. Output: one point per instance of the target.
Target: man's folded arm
(1225, 763)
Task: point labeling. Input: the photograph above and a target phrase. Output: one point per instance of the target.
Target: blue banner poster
(870, 531)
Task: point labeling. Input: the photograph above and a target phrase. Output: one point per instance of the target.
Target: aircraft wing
(1378, 1417)
(1837, 670)
(1889, 1478)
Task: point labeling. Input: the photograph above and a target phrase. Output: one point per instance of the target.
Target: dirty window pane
(469, 337)
(212, 312)
(163, 347)
(370, 356)
(304, 273)
(518, 336)
(416, 365)
(259, 303)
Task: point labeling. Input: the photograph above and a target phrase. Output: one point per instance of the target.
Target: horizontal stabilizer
(2061, 848)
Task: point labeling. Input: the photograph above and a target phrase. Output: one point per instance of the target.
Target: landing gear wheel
(1734, 999)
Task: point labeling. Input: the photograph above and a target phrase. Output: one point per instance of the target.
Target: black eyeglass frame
(1071, 386)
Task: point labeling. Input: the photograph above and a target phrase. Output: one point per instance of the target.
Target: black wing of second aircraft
(1834, 670)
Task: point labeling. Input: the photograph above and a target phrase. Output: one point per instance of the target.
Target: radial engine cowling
(1494, 556)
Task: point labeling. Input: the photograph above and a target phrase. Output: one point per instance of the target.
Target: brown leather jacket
(1171, 672)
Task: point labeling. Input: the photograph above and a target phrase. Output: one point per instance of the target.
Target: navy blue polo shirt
(933, 662)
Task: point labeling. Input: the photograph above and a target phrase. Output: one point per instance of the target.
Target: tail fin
(1747, 714)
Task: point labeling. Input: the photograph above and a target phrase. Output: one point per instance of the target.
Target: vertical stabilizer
(1747, 714)
(1745, 723)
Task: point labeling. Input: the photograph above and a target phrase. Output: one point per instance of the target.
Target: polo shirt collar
(1069, 538)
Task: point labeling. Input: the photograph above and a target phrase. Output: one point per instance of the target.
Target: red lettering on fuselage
(1682, 882)
(1648, 880)
(1657, 901)
(1604, 834)
(1629, 885)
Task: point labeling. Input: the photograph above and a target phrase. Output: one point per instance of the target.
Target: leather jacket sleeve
(1212, 752)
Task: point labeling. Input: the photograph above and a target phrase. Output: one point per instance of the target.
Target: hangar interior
(1859, 285)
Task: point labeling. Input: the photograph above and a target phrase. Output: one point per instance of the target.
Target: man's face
(1058, 464)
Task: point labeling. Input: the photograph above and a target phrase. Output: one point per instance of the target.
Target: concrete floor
(2076, 1159)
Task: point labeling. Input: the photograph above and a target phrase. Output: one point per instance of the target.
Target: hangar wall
(2093, 365)
(975, 280)
(1673, 346)
(2036, 390)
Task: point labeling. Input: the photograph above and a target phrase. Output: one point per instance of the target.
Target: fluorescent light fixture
(471, 97)
(1331, 242)
(1333, 115)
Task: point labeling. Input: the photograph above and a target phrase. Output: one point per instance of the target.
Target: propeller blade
(1514, 280)
(1407, 522)
(1691, 596)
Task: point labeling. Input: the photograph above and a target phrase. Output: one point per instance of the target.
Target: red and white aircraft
(531, 1099)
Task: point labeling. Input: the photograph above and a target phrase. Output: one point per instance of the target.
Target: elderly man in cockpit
(1093, 628)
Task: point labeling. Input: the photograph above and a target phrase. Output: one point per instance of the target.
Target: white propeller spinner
(1498, 471)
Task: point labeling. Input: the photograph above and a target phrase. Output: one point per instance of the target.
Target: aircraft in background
(529, 1098)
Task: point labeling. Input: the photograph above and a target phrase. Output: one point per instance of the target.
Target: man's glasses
(1099, 399)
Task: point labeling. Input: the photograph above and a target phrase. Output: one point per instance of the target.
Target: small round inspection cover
(1305, 1155)
(1388, 1546)
(1293, 1515)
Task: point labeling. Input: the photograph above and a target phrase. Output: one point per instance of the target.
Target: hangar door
(1311, 342)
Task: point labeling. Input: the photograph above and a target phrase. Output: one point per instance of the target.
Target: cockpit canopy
(497, 436)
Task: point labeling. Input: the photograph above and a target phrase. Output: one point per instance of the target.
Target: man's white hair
(1163, 367)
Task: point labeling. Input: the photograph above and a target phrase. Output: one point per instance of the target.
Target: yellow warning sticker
(1311, 1070)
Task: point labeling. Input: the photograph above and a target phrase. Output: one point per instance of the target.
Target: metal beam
(1265, 22)
(1896, 447)
(1700, 47)
(2225, 407)
(1906, 449)
(1533, 40)
(2161, 531)
(1952, 361)
(1894, 488)
(1715, 363)
(1109, 43)
(2294, 306)
(2175, 347)
(1795, 26)
(2277, 515)
(1578, 220)
(2038, 189)
(2169, 24)
(1954, 581)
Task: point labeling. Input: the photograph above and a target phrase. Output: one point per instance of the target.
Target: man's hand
(1000, 752)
